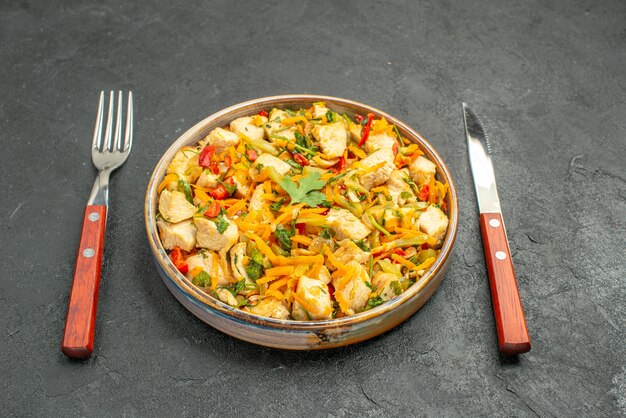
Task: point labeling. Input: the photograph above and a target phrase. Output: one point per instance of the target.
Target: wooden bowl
(290, 334)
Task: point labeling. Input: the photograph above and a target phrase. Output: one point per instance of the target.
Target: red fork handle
(513, 336)
(80, 324)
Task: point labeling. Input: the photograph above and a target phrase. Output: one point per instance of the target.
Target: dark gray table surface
(549, 80)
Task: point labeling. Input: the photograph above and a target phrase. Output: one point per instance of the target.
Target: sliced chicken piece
(208, 180)
(387, 285)
(246, 127)
(399, 189)
(348, 251)
(434, 222)
(181, 234)
(237, 255)
(379, 141)
(316, 300)
(422, 170)
(210, 238)
(185, 165)
(380, 175)
(174, 207)
(319, 110)
(226, 297)
(332, 137)
(268, 160)
(270, 308)
(346, 225)
(210, 263)
(221, 139)
(351, 289)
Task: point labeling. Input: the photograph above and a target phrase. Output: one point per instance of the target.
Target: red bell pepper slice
(263, 113)
(359, 118)
(219, 193)
(425, 246)
(214, 168)
(176, 255)
(205, 156)
(424, 192)
(400, 252)
(300, 159)
(213, 210)
(331, 290)
(228, 161)
(341, 165)
(251, 154)
(301, 228)
(366, 129)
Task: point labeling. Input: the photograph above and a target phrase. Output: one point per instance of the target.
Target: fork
(108, 152)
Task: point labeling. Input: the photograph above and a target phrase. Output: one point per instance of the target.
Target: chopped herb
(303, 140)
(307, 191)
(331, 116)
(395, 129)
(371, 286)
(396, 287)
(364, 121)
(363, 245)
(375, 301)
(406, 195)
(294, 164)
(277, 205)
(256, 256)
(184, 187)
(337, 177)
(254, 271)
(203, 279)
(283, 236)
(221, 223)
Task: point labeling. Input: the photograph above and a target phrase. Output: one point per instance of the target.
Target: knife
(507, 306)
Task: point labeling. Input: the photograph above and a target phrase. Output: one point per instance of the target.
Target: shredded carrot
(275, 294)
(302, 259)
(278, 283)
(331, 257)
(302, 239)
(236, 207)
(427, 263)
(214, 270)
(167, 180)
(305, 304)
(263, 247)
(404, 262)
(195, 271)
(294, 120)
(266, 279)
(279, 271)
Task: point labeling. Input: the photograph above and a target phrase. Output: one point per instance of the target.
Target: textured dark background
(548, 78)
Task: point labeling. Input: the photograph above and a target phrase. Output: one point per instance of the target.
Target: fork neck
(100, 191)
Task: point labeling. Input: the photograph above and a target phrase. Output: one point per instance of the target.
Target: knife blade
(513, 335)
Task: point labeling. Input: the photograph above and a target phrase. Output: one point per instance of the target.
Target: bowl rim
(222, 309)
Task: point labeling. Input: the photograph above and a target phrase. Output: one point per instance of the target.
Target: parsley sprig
(307, 191)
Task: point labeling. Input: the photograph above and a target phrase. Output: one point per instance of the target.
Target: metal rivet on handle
(93, 216)
(500, 255)
(494, 223)
(88, 252)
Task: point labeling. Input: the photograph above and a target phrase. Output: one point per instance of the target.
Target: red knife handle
(507, 307)
(80, 324)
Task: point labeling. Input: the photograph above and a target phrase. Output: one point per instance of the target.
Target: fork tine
(97, 133)
(108, 134)
(128, 135)
(117, 139)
